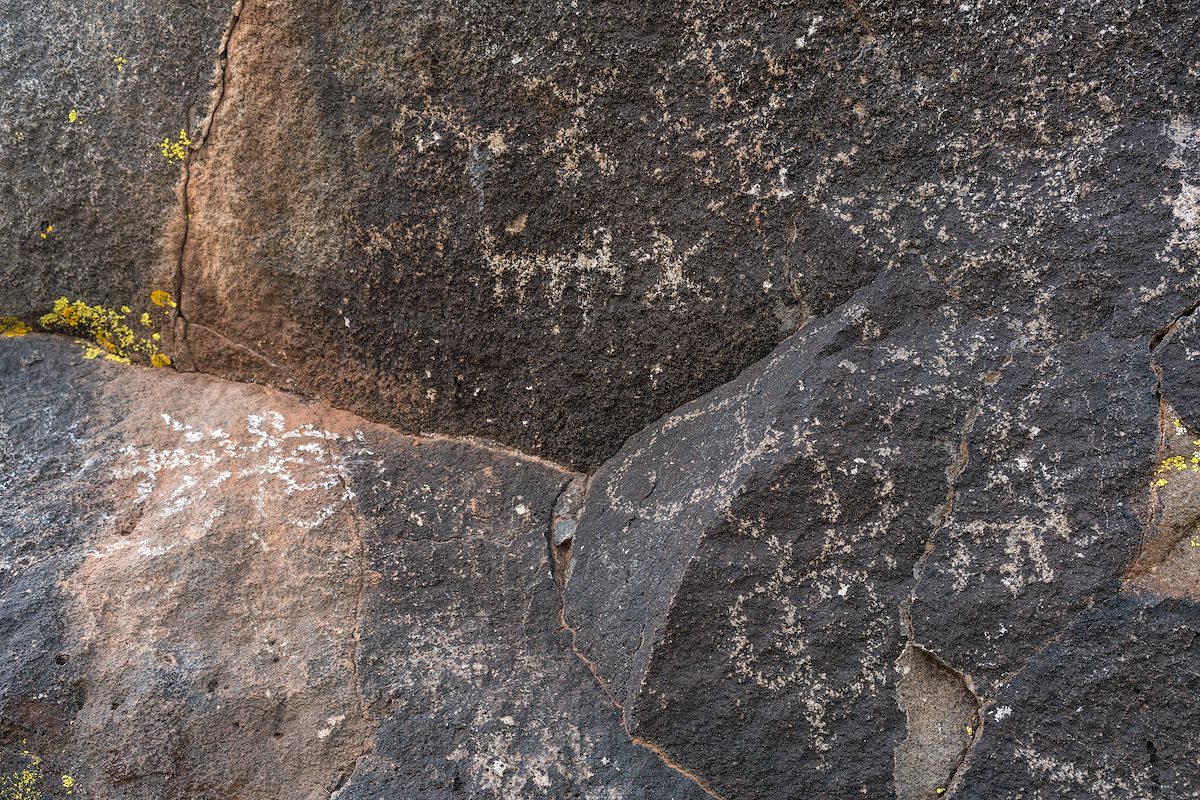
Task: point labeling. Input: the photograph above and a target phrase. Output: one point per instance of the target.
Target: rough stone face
(877, 480)
(871, 328)
(551, 227)
(941, 716)
(1104, 712)
(465, 667)
(216, 591)
(89, 91)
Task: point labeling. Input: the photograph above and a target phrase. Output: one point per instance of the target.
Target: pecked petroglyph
(276, 460)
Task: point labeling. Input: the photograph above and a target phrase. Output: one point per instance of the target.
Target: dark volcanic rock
(88, 91)
(1105, 712)
(1044, 515)
(1175, 358)
(463, 662)
(873, 324)
(44, 516)
(773, 541)
(549, 227)
(216, 591)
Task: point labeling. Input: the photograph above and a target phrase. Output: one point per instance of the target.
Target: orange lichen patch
(11, 326)
(109, 333)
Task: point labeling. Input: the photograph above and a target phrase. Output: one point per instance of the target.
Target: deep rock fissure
(1152, 518)
(1157, 338)
(486, 445)
(575, 494)
(912, 651)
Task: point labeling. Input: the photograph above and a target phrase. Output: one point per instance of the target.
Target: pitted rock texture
(88, 92)
(809, 399)
(549, 228)
(216, 591)
(881, 478)
(1123, 729)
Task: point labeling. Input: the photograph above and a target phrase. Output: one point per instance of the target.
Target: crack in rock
(641, 742)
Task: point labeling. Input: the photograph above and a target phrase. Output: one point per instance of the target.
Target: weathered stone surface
(549, 228)
(941, 717)
(873, 326)
(216, 591)
(1105, 712)
(1044, 510)
(1175, 357)
(88, 91)
(877, 479)
(464, 663)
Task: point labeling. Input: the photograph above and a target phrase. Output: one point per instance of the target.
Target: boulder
(91, 201)
(216, 591)
(600, 400)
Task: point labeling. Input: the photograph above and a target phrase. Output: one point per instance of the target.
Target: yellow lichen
(107, 332)
(11, 326)
(25, 783)
(72, 116)
(176, 150)
(120, 61)
(1174, 464)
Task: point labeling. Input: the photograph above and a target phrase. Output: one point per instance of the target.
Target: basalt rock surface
(742, 401)
(89, 204)
(214, 591)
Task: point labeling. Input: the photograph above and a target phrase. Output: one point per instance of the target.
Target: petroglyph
(276, 460)
(588, 272)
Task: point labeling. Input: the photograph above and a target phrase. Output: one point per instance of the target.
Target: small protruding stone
(563, 531)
